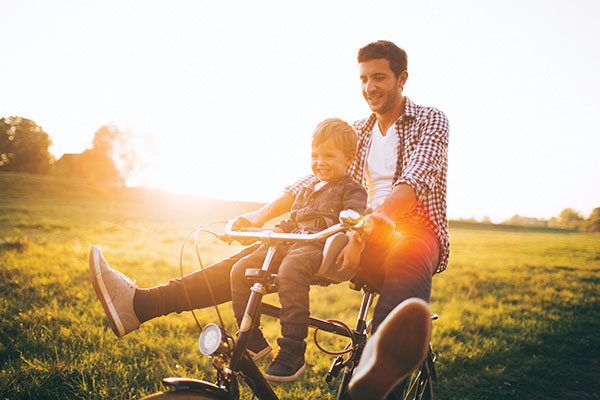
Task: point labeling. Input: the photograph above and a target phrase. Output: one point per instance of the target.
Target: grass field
(519, 310)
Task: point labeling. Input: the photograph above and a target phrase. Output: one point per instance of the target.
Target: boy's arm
(257, 218)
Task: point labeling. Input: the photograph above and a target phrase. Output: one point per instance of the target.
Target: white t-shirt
(381, 164)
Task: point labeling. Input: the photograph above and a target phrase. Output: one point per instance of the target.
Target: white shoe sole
(275, 378)
(397, 348)
(102, 293)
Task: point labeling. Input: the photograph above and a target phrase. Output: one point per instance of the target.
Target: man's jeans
(401, 269)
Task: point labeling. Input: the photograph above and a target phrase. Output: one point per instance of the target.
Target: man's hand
(378, 228)
(349, 257)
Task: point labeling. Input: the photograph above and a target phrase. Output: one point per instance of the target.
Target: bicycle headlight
(349, 217)
(212, 340)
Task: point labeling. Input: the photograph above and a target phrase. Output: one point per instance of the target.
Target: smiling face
(328, 162)
(380, 87)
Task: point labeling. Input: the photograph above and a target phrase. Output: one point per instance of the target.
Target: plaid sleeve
(424, 167)
(294, 188)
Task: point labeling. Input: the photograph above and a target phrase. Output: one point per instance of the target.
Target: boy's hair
(388, 50)
(340, 132)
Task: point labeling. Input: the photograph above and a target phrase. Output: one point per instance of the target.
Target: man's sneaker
(258, 346)
(397, 347)
(288, 364)
(115, 291)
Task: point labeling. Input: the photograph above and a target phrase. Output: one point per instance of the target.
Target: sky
(222, 97)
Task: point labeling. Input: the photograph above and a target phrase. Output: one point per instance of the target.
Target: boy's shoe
(397, 347)
(115, 292)
(258, 346)
(288, 364)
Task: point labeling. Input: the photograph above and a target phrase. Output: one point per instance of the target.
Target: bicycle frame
(259, 289)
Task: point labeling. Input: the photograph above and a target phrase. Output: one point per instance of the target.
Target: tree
(111, 159)
(97, 163)
(24, 146)
(593, 223)
(570, 218)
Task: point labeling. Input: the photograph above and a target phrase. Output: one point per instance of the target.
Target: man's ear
(402, 79)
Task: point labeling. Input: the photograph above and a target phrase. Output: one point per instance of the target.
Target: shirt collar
(410, 111)
(344, 179)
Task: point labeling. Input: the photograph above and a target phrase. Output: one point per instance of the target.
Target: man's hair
(388, 50)
(340, 132)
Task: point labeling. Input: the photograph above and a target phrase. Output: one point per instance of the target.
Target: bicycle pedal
(334, 369)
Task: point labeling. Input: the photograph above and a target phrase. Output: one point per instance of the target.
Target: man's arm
(398, 203)
(419, 177)
(379, 226)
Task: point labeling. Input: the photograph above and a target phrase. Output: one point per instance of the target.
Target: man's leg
(171, 297)
(401, 322)
(407, 271)
(125, 303)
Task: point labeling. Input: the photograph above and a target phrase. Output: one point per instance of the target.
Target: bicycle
(232, 361)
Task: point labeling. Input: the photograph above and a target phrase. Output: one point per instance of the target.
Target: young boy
(315, 208)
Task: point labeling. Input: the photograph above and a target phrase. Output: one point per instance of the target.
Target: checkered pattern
(422, 164)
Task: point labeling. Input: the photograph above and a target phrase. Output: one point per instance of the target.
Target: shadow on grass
(550, 353)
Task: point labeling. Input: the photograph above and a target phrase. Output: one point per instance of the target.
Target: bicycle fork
(360, 333)
(240, 361)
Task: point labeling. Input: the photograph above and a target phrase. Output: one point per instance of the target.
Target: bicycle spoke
(412, 381)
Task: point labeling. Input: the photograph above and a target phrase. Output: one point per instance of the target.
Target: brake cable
(346, 350)
(195, 231)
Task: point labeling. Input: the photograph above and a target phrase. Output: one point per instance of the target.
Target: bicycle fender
(196, 385)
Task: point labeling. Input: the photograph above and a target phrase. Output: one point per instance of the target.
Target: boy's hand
(349, 257)
(246, 220)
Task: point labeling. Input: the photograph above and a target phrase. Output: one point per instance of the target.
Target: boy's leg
(257, 345)
(240, 285)
(294, 277)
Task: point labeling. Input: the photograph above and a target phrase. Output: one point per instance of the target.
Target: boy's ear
(350, 158)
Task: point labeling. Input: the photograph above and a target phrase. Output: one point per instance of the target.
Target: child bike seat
(328, 270)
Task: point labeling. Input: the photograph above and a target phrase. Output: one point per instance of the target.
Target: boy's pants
(400, 270)
(298, 264)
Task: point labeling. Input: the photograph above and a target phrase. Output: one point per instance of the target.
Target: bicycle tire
(180, 395)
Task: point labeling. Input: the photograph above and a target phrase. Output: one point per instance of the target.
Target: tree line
(24, 147)
(567, 219)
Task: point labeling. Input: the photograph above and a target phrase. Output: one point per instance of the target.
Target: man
(402, 160)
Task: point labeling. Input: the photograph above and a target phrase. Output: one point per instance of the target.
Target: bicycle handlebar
(349, 219)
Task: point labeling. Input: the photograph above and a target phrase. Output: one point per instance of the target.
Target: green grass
(519, 310)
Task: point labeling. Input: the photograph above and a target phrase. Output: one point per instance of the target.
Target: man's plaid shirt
(422, 163)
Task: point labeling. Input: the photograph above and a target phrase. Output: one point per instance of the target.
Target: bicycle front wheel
(418, 385)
